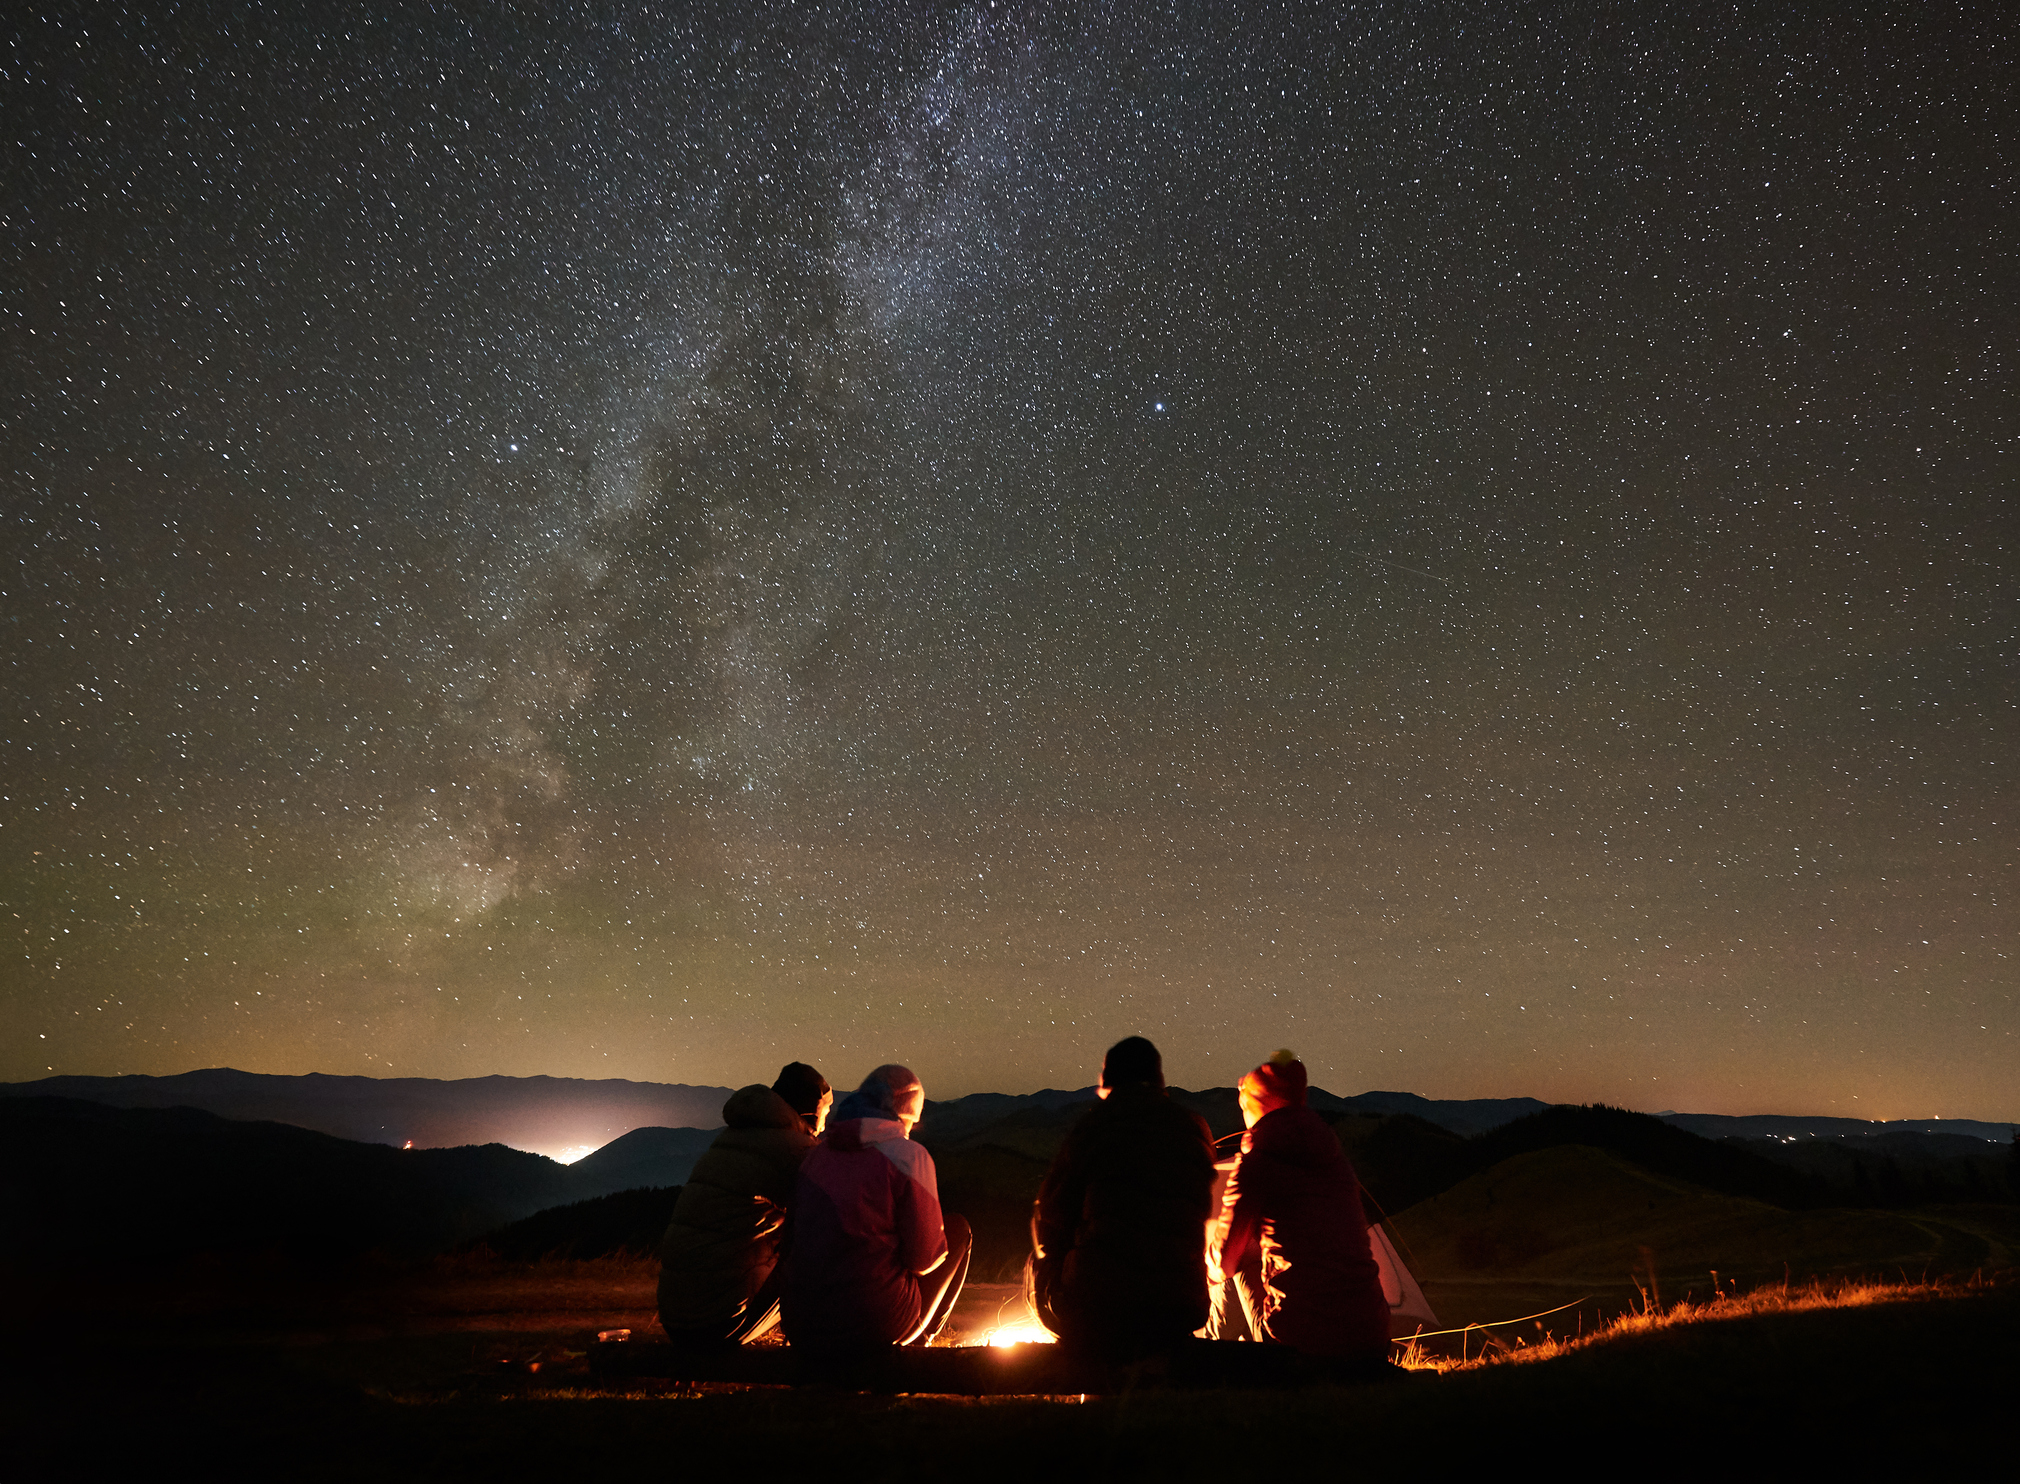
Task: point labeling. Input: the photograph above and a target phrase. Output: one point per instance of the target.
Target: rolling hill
(85, 1181)
(1584, 1217)
(88, 1182)
(645, 1158)
(92, 1181)
(545, 1115)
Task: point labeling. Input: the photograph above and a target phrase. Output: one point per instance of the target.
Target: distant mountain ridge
(88, 1180)
(644, 1159)
(566, 1116)
(1466, 1116)
(961, 1119)
(958, 1118)
(543, 1115)
(1798, 1126)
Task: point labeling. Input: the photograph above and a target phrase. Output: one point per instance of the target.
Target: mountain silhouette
(86, 1181)
(645, 1158)
(546, 1115)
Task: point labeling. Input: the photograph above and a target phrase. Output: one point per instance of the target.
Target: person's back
(1118, 1230)
(1324, 1288)
(873, 1260)
(720, 1250)
(1292, 1229)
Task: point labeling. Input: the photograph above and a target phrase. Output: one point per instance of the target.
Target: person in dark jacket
(1118, 1263)
(718, 1276)
(1292, 1230)
(873, 1260)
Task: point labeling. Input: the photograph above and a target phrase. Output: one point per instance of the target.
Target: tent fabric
(1409, 1310)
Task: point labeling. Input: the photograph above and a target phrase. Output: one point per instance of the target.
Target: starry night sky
(1473, 541)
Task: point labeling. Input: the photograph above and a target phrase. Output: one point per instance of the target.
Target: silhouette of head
(806, 1092)
(1132, 1059)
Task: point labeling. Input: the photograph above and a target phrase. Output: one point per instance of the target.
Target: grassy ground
(1575, 1225)
(425, 1372)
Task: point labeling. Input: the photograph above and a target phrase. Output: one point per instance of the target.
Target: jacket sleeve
(1203, 1168)
(787, 1151)
(1055, 1215)
(1241, 1212)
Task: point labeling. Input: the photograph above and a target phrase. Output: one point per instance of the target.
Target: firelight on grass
(1726, 1302)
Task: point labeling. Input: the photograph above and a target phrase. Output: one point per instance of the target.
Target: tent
(1409, 1310)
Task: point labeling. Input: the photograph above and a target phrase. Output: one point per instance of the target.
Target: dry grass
(1505, 1344)
(1907, 1378)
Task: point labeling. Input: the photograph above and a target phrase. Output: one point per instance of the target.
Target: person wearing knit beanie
(720, 1280)
(1291, 1232)
(807, 1093)
(1277, 1083)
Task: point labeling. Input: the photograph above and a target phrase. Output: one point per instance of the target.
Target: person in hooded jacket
(872, 1259)
(719, 1276)
(1292, 1231)
(1118, 1264)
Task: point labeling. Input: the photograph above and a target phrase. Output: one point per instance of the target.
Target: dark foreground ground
(426, 1375)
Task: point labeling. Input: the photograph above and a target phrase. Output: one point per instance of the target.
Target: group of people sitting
(825, 1220)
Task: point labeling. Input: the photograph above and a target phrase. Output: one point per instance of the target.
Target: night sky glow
(1473, 541)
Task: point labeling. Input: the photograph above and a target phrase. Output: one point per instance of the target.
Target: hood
(757, 1106)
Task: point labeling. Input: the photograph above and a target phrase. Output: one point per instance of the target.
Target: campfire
(1025, 1331)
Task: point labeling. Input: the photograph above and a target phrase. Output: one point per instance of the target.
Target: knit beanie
(1278, 1082)
(802, 1088)
(1132, 1059)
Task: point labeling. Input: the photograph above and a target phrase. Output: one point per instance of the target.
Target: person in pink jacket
(871, 1260)
(1292, 1232)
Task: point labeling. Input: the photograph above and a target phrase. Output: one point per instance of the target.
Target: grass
(474, 1367)
(1506, 1343)
(1909, 1377)
(1574, 1225)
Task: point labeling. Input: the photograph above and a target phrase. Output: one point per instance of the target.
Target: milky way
(1470, 541)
